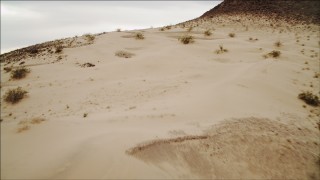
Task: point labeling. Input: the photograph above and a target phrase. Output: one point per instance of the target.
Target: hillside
(232, 96)
(288, 10)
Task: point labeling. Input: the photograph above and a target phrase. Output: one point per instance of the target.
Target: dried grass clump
(19, 73)
(124, 54)
(186, 39)
(207, 33)
(14, 95)
(139, 36)
(221, 50)
(309, 98)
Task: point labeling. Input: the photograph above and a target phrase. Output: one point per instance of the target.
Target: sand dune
(198, 114)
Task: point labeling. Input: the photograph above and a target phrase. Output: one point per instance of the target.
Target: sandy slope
(168, 90)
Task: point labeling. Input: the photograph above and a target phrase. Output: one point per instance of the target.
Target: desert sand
(170, 110)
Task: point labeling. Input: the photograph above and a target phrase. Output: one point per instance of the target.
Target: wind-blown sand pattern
(170, 110)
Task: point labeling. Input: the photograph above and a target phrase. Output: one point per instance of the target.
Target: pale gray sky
(25, 23)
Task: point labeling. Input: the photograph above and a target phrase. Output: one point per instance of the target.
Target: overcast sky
(25, 23)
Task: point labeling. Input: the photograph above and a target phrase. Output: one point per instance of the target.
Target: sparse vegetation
(14, 95)
(207, 33)
(309, 98)
(274, 54)
(118, 30)
(221, 50)
(85, 115)
(186, 39)
(278, 44)
(162, 29)
(124, 54)
(89, 37)
(190, 29)
(19, 73)
(232, 35)
(139, 36)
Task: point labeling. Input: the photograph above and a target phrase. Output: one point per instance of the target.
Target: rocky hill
(289, 10)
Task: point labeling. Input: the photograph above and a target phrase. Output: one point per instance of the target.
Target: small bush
(139, 36)
(221, 50)
(7, 69)
(232, 35)
(118, 30)
(274, 54)
(37, 120)
(316, 75)
(19, 73)
(190, 29)
(124, 54)
(168, 27)
(162, 29)
(309, 98)
(186, 39)
(87, 65)
(207, 33)
(59, 49)
(14, 95)
(23, 128)
(85, 115)
(89, 37)
(33, 50)
(278, 44)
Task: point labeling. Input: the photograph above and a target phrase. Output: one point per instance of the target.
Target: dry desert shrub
(139, 36)
(316, 75)
(19, 73)
(207, 33)
(232, 35)
(309, 98)
(221, 50)
(87, 65)
(118, 30)
(37, 120)
(124, 54)
(89, 37)
(7, 69)
(186, 39)
(273, 54)
(59, 49)
(168, 27)
(14, 95)
(190, 29)
(278, 44)
(23, 128)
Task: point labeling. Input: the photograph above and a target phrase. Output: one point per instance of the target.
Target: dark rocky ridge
(305, 11)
